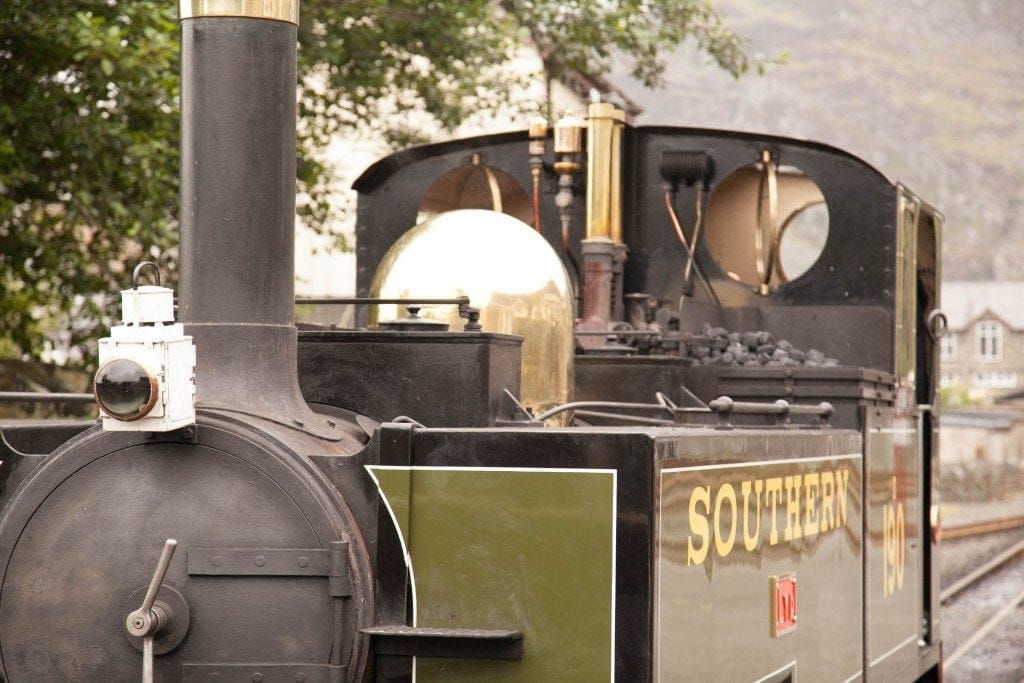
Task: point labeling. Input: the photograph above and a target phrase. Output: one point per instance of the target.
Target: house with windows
(983, 351)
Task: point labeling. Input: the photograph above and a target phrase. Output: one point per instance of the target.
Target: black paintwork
(237, 171)
(440, 379)
(224, 484)
(851, 285)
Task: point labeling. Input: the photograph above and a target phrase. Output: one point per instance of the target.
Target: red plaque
(783, 608)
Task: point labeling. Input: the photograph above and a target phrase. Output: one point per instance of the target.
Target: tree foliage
(89, 117)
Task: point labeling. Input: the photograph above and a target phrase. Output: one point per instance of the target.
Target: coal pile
(719, 346)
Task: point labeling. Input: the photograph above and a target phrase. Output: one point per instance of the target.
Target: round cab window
(802, 239)
(767, 224)
(475, 185)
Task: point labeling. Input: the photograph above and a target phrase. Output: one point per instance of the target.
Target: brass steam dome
(508, 271)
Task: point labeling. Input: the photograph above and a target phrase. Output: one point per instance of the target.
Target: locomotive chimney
(238, 113)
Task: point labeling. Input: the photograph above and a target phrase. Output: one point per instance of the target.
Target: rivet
(217, 561)
(300, 676)
(257, 677)
(303, 561)
(260, 560)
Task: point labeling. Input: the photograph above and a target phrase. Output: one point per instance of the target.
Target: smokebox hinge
(332, 563)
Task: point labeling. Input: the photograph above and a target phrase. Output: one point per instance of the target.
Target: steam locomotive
(659, 406)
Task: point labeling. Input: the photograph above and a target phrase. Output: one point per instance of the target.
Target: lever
(152, 618)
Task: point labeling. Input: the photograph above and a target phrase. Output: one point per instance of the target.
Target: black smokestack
(237, 171)
(238, 85)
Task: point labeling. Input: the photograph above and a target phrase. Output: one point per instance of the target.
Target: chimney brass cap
(277, 10)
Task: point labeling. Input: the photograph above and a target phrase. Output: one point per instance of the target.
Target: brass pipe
(616, 179)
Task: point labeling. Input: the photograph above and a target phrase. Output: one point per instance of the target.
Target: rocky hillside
(931, 92)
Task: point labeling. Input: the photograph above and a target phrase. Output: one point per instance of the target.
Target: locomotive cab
(723, 281)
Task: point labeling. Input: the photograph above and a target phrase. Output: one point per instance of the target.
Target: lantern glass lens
(125, 390)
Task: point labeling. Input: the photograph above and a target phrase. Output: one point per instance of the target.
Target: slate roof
(966, 301)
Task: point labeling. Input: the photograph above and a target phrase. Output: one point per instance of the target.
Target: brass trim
(276, 10)
(908, 216)
(154, 393)
(766, 237)
(538, 128)
(568, 134)
(616, 179)
(604, 168)
(492, 182)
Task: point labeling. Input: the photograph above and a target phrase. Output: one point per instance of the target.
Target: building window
(949, 379)
(989, 335)
(948, 344)
(995, 380)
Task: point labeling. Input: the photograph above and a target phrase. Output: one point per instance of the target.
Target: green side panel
(514, 548)
(396, 486)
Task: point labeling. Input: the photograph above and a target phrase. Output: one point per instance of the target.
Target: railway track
(981, 572)
(972, 593)
(987, 526)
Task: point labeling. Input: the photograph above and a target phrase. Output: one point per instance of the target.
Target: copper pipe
(675, 222)
(690, 251)
(536, 198)
(698, 223)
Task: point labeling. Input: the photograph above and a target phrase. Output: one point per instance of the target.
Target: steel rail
(985, 629)
(986, 527)
(984, 570)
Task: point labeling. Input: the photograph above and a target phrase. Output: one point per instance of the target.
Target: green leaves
(89, 118)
